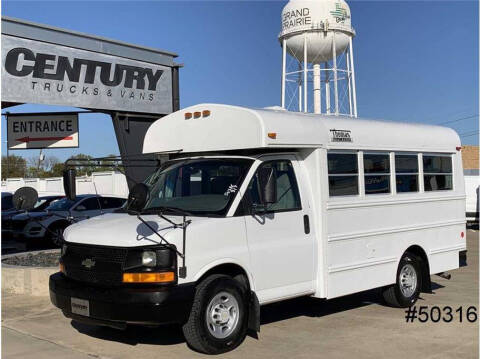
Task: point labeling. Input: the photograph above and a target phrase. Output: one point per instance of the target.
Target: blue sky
(415, 61)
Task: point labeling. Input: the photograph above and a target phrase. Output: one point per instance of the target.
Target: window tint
(406, 163)
(437, 164)
(342, 163)
(90, 204)
(437, 173)
(288, 197)
(7, 201)
(377, 173)
(111, 202)
(342, 174)
(374, 163)
(343, 185)
(406, 171)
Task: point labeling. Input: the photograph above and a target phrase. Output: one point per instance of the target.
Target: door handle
(306, 224)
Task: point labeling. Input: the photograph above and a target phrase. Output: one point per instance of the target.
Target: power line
(468, 134)
(458, 119)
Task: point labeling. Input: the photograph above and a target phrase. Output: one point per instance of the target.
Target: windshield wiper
(162, 209)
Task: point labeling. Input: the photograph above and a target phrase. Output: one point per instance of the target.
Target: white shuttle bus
(256, 206)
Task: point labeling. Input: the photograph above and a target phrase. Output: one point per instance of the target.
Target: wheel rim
(222, 315)
(408, 280)
(57, 236)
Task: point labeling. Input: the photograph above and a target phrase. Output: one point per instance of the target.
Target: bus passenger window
(342, 174)
(377, 173)
(406, 172)
(437, 172)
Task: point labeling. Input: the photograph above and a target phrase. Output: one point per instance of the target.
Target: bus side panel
(368, 234)
(358, 264)
(366, 241)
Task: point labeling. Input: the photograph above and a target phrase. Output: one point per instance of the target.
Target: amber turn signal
(148, 277)
(272, 135)
(62, 268)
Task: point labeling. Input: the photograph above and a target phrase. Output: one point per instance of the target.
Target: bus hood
(124, 230)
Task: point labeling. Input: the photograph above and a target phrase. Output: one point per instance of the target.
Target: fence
(104, 183)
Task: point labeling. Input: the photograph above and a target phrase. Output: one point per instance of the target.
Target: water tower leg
(284, 70)
(327, 89)
(317, 107)
(354, 93)
(349, 79)
(299, 96)
(305, 73)
(335, 77)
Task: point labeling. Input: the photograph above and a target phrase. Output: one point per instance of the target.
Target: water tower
(317, 37)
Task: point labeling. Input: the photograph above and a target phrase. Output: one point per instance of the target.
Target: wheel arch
(59, 223)
(421, 254)
(228, 267)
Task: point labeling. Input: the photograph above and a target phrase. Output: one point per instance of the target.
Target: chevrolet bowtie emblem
(88, 263)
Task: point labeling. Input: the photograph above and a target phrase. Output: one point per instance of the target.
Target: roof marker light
(197, 114)
(272, 135)
(206, 113)
(188, 115)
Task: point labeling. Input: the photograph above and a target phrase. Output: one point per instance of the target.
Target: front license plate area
(80, 306)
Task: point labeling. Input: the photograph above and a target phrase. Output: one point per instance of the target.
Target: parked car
(50, 224)
(7, 215)
(7, 201)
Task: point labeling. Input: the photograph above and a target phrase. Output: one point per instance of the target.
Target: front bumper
(119, 306)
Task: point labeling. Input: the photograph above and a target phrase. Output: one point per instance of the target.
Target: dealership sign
(39, 72)
(42, 131)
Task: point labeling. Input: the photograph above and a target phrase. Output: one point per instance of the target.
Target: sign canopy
(46, 65)
(42, 131)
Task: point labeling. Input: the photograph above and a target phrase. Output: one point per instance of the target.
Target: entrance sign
(42, 131)
(40, 72)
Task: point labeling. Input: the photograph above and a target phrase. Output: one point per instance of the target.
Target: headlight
(149, 259)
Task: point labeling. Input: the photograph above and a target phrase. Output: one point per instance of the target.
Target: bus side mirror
(69, 183)
(138, 197)
(24, 198)
(267, 180)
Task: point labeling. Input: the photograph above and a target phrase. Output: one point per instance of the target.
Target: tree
(13, 166)
(50, 162)
(41, 169)
(57, 170)
(82, 170)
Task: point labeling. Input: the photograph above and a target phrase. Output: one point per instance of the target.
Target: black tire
(196, 330)
(55, 234)
(394, 295)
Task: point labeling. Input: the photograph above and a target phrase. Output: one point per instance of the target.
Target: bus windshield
(204, 187)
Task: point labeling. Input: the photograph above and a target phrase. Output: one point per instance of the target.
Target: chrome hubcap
(408, 280)
(222, 315)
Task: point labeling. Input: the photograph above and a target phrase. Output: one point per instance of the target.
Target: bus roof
(215, 127)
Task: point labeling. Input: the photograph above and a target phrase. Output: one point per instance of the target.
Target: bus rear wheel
(405, 292)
